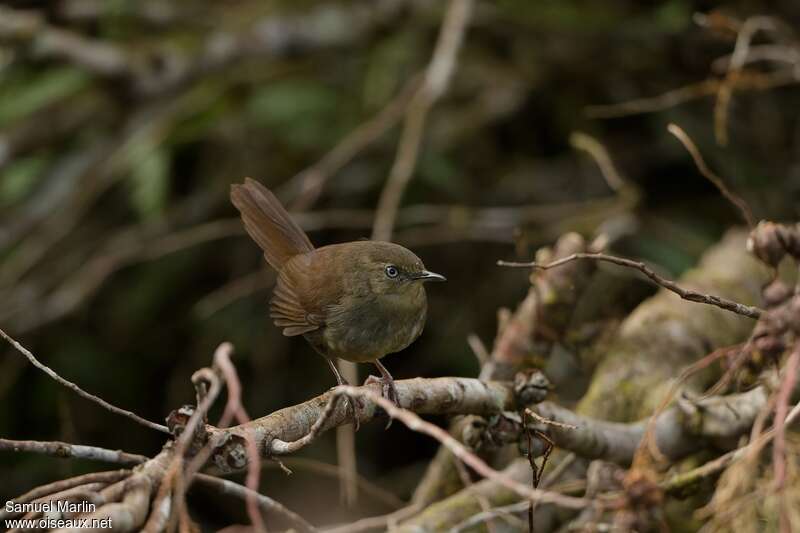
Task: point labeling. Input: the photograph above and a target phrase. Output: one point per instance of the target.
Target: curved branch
(687, 294)
(265, 504)
(445, 396)
(70, 385)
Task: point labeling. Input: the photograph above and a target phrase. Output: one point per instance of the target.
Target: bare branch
(734, 198)
(594, 148)
(437, 77)
(415, 423)
(781, 409)
(108, 477)
(97, 56)
(686, 294)
(76, 451)
(235, 409)
(369, 488)
(434, 395)
(311, 180)
(679, 482)
(387, 522)
(745, 81)
(264, 503)
(747, 31)
(284, 448)
(50, 372)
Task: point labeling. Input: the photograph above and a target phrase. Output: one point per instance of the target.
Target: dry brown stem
(437, 77)
(73, 387)
(75, 451)
(718, 182)
(686, 294)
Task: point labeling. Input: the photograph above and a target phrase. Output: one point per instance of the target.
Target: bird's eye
(391, 271)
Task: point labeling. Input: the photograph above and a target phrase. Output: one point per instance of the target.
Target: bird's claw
(388, 391)
(351, 409)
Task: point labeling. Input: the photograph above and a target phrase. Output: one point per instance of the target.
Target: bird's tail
(268, 223)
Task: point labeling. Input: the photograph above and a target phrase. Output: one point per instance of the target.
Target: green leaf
(299, 112)
(17, 180)
(22, 97)
(150, 182)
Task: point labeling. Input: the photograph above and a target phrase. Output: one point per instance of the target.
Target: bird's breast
(367, 327)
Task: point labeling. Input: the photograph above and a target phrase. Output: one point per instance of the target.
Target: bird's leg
(388, 389)
(387, 382)
(339, 379)
(351, 409)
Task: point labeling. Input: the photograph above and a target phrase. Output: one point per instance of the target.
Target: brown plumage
(356, 301)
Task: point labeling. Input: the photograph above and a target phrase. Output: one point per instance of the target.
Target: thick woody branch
(685, 428)
(534, 330)
(679, 483)
(637, 370)
(272, 433)
(415, 423)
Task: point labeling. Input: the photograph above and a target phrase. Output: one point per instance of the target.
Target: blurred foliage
(104, 175)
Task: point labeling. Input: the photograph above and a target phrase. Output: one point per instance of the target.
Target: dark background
(110, 273)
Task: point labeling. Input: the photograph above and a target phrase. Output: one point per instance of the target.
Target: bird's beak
(430, 276)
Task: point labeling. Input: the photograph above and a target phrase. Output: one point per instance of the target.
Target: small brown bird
(356, 301)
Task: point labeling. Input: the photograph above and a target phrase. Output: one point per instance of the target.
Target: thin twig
(437, 78)
(171, 492)
(76, 451)
(235, 409)
(781, 408)
(539, 418)
(466, 481)
(718, 182)
(487, 516)
(383, 522)
(686, 294)
(740, 52)
(346, 455)
(312, 180)
(279, 447)
(648, 440)
(70, 385)
(745, 81)
(775, 53)
(677, 482)
(107, 477)
(367, 487)
(263, 503)
(479, 349)
(595, 148)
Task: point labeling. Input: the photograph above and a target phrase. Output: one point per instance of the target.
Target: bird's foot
(388, 391)
(351, 406)
(353, 412)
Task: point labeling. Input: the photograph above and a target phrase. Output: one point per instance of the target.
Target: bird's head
(393, 269)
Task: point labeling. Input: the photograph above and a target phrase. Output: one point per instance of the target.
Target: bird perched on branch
(356, 301)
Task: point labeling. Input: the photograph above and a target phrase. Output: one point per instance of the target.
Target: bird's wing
(295, 306)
